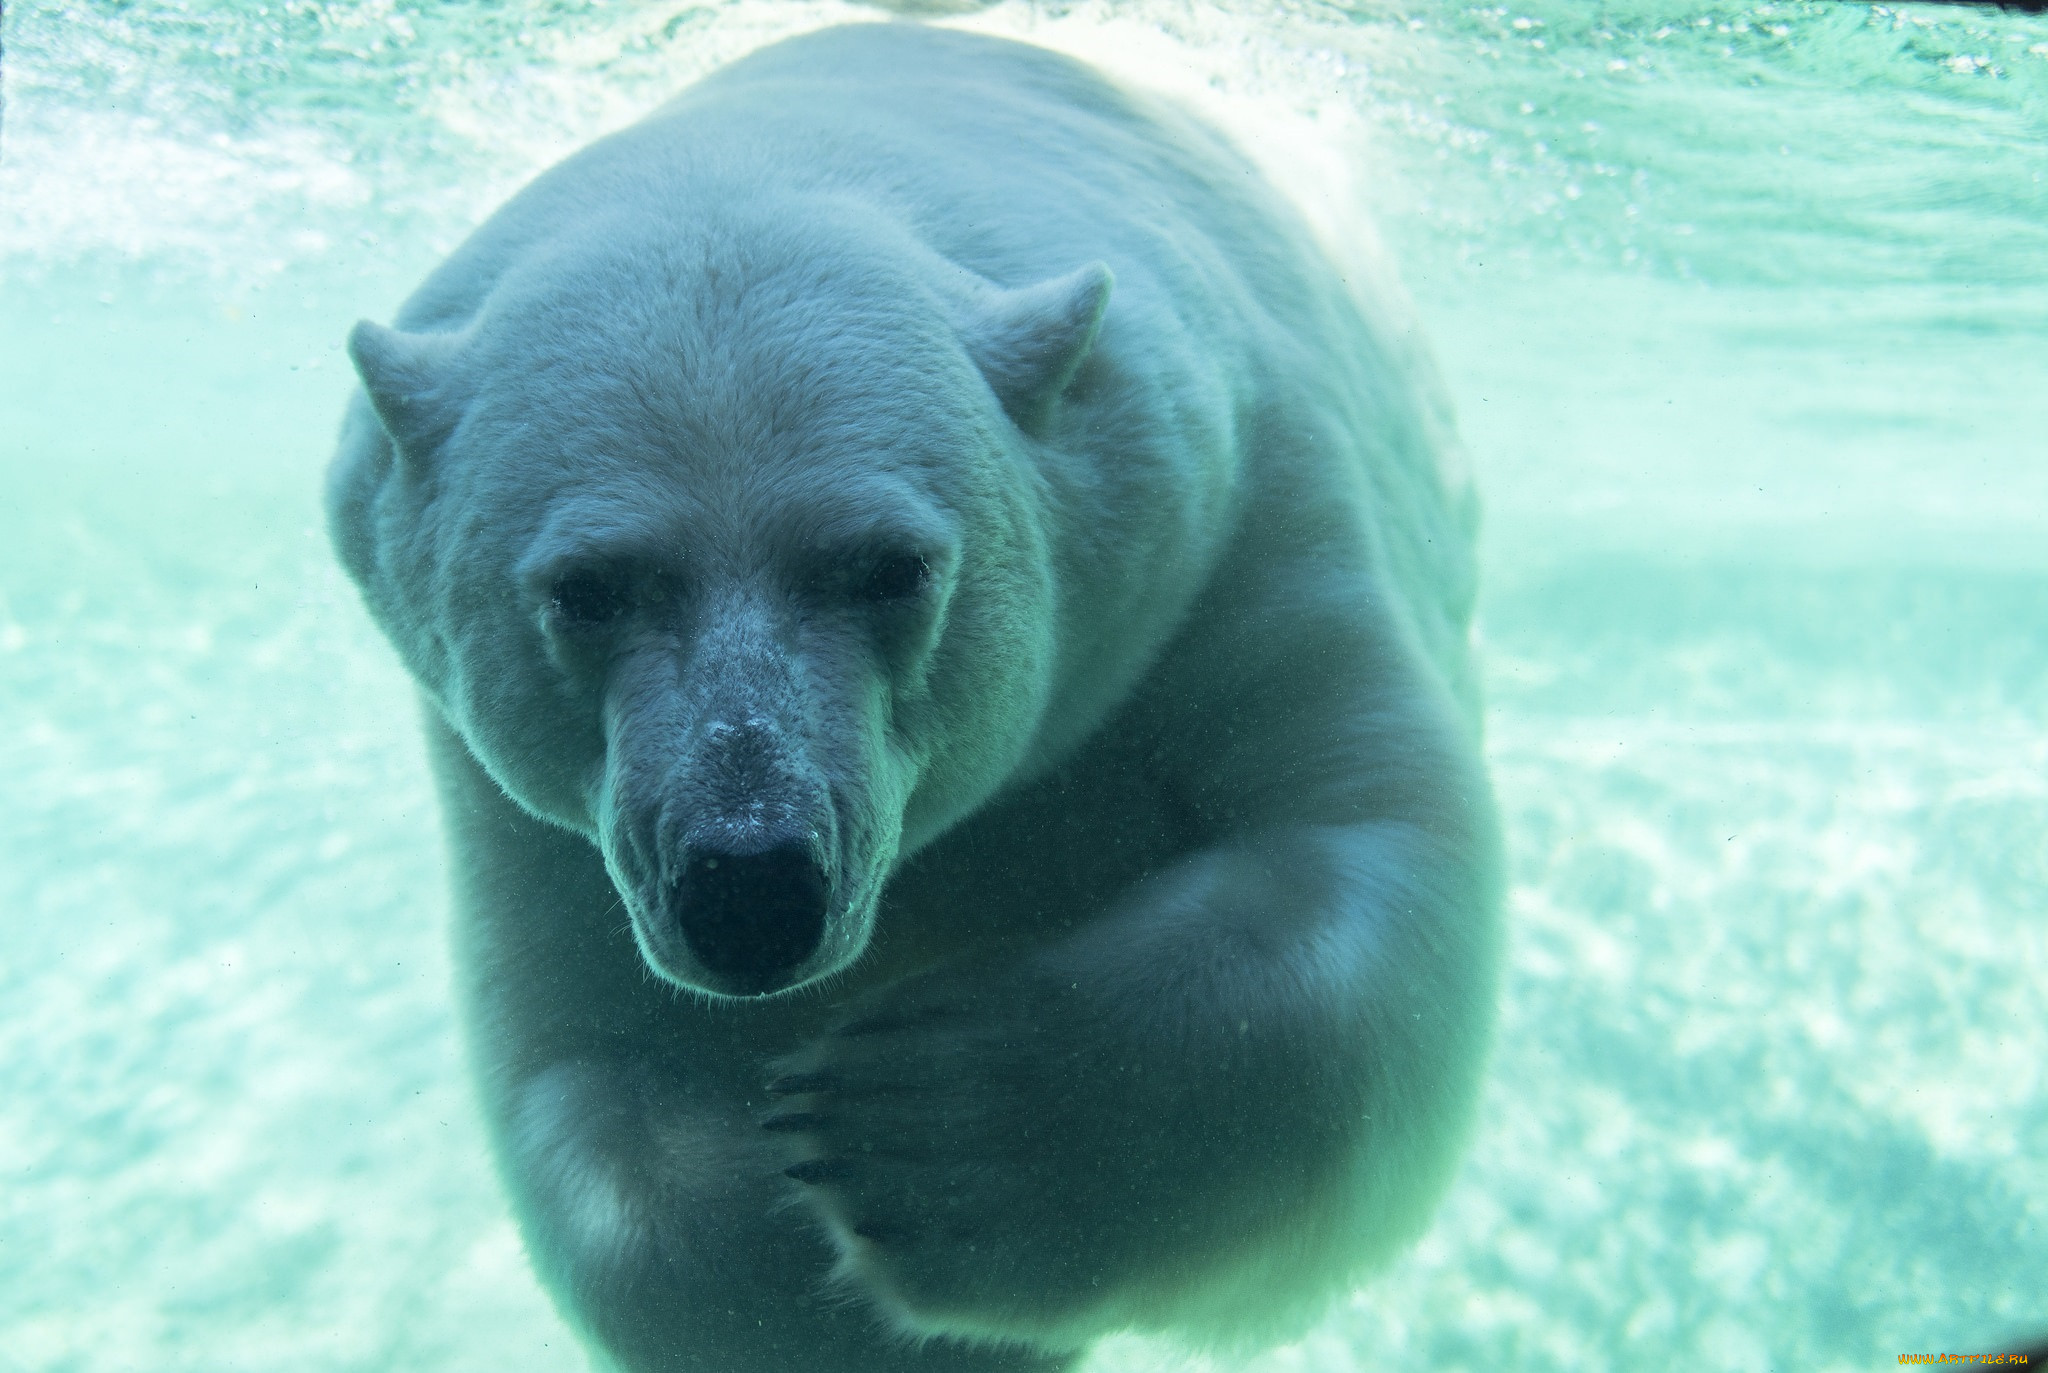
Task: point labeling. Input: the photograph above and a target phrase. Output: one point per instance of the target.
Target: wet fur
(1161, 949)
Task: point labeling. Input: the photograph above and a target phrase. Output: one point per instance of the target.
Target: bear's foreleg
(656, 1213)
(1205, 1111)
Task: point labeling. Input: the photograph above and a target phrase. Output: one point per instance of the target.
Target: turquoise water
(1745, 310)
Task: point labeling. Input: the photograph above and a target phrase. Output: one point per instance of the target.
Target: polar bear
(943, 633)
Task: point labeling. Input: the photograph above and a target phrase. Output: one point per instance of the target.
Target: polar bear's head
(730, 555)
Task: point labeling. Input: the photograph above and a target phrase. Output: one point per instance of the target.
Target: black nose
(752, 918)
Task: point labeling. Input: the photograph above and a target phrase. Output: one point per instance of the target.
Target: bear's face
(737, 567)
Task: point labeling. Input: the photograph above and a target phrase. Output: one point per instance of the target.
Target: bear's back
(1018, 164)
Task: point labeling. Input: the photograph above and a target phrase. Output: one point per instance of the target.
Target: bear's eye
(587, 599)
(896, 577)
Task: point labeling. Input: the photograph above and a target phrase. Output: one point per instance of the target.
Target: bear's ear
(1030, 341)
(409, 380)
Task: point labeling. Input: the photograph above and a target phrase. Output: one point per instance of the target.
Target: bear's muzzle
(752, 915)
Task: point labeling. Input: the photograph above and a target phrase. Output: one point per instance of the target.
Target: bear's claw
(882, 1234)
(799, 1084)
(814, 1170)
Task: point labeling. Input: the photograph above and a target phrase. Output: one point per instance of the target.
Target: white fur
(914, 459)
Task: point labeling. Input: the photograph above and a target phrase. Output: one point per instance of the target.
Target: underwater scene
(1743, 311)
